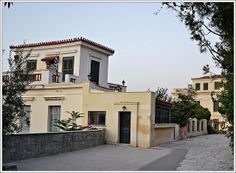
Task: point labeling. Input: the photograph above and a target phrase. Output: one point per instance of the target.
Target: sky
(150, 50)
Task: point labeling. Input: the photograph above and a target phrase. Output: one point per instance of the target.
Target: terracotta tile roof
(163, 103)
(49, 43)
(208, 77)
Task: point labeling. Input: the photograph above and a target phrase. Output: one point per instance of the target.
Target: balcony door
(95, 66)
(67, 66)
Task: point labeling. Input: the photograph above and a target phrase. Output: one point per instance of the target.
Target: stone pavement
(205, 153)
(99, 158)
(209, 152)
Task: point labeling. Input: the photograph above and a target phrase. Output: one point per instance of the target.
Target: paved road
(209, 152)
(104, 157)
(167, 163)
(205, 153)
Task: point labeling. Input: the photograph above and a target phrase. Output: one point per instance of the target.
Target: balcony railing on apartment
(45, 77)
(5, 78)
(35, 77)
(32, 77)
(72, 80)
(55, 78)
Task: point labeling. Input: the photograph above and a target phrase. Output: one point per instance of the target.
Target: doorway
(124, 124)
(67, 66)
(95, 68)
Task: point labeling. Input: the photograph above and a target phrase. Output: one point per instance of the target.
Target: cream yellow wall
(209, 81)
(39, 106)
(206, 101)
(204, 96)
(77, 97)
(163, 135)
(139, 104)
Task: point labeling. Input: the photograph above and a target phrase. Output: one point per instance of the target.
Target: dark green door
(124, 127)
(67, 66)
(95, 65)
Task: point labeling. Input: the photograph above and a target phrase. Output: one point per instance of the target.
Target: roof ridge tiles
(62, 42)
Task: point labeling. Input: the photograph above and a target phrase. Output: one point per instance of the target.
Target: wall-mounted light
(123, 83)
(124, 108)
(89, 76)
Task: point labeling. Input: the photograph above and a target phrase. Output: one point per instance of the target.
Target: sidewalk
(208, 153)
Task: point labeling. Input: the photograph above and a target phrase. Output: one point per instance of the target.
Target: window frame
(162, 115)
(95, 72)
(196, 88)
(50, 127)
(205, 86)
(67, 70)
(216, 108)
(25, 128)
(97, 114)
(29, 64)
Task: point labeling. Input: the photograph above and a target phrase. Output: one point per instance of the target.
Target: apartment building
(204, 86)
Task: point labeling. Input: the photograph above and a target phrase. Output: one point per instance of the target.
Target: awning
(49, 58)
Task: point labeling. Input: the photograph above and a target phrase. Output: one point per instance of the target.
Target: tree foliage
(161, 94)
(70, 123)
(8, 4)
(183, 108)
(186, 107)
(201, 112)
(206, 20)
(15, 84)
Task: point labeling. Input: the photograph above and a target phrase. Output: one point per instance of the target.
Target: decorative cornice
(54, 98)
(126, 103)
(28, 98)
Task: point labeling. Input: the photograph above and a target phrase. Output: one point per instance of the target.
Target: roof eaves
(49, 43)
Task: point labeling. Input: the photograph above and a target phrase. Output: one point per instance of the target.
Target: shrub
(70, 123)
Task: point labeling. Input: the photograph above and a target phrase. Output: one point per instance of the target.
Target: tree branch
(211, 30)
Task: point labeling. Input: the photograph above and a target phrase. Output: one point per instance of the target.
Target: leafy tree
(70, 123)
(8, 4)
(183, 108)
(204, 21)
(16, 82)
(201, 112)
(186, 107)
(161, 94)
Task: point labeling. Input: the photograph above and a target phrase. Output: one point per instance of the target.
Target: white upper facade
(78, 60)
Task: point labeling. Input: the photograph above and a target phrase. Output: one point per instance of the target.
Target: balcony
(32, 77)
(69, 78)
(46, 77)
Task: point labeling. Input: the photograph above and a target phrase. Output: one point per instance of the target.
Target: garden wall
(194, 127)
(24, 146)
(163, 133)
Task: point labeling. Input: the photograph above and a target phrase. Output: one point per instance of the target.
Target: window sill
(97, 125)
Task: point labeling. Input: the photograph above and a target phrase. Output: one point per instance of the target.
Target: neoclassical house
(80, 84)
(204, 86)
